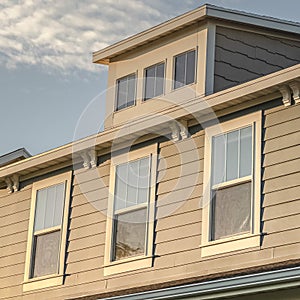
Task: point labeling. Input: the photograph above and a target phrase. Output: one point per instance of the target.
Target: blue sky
(47, 78)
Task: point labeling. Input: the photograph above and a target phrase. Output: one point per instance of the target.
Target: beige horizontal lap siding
(241, 56)
(177, 242)
(281, 182)
(14, 218)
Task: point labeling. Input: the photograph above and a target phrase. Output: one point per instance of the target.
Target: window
(126, 91)
(129, 234)
(231, 210)
(47, 232)
(154, 81)
(185, 67)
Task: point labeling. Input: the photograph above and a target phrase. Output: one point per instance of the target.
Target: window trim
(243, 240)
(144, 80)
(196, 68)
(51, 279)
(140, 261)
(116, 110)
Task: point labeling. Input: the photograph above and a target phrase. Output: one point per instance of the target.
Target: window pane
(132, 184)
(131, 90)
(121, 186)
(122, 93)
(231, 210)
(149, 83)
(160, 73)
(179, 77)
(46, 254)
(59, 204)
(130, 234)
(218, 159)
(40, 210)
(190, 67)
(246, 152)
(144, 180)
(232, 155)
(49, 217)
(49, 207)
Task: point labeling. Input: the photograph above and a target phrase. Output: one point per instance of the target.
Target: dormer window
(154, 81)
(126, 91)
(184, 68)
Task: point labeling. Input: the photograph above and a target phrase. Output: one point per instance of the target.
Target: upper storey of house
(202, 52)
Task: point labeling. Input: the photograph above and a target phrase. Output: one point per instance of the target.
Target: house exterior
(192, 189)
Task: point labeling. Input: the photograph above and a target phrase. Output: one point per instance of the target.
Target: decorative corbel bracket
(179, 130)
(295, 87)
(175, 131)
(9, 185)
(286, 95)
(89, 157)
(183, 126)
(13, 183)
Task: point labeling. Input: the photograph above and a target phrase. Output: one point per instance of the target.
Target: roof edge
(198, 14)
(11, 157)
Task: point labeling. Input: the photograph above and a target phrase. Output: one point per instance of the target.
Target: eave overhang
(202, 13)
(245, 95)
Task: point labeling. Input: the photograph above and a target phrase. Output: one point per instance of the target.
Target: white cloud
(61, 35)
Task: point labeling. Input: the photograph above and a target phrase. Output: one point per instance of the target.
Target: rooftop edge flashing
(214, 289)
(202, 12)
(7, 158)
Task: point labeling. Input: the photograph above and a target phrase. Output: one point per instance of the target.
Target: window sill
(128, 264)
(42, 282)
(189, 85)
(233, 243)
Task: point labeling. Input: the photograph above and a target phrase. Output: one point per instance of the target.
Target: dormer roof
(205, 12)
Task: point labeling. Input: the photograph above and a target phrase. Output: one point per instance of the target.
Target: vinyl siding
(281, 175)
(242, 56)
(178, 227)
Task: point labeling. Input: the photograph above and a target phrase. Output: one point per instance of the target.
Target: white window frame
(243, 240)
(116, 109)
(174, 68)
(53, 279)
(155, 80)
(145, 260)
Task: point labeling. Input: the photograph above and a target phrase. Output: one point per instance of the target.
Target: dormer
(199, 53)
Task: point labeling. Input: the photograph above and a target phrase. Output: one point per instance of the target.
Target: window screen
(231, 209)
(130, 233)
(185, 66)
(46, 254)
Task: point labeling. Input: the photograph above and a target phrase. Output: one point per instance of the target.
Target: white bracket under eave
(286, 95)
(295, 87)
(179, 130)
(12, 183)
(89, 157)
